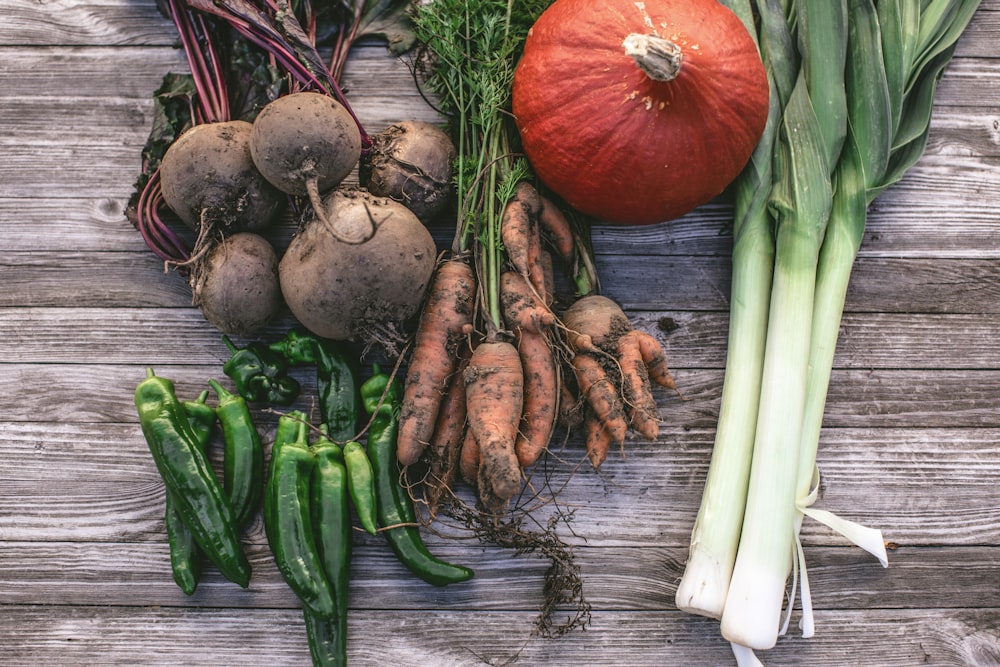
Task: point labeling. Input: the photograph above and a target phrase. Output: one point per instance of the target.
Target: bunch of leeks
(852, 90)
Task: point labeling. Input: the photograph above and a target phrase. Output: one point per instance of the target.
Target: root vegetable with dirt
(236, 284)
(446, 323)
(305, 144)
(209, 180)
(615, 367)
(411, 161)
(360, 272)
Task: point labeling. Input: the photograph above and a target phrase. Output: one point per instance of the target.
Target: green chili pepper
(395, 508)
(336, 381)
(185, 557)
(327, 640)
(243, 459)
(361, 483)
(260, 375)
(290, 426)
(331, 516)
(189, 478)
(298, 347)
(289, 527)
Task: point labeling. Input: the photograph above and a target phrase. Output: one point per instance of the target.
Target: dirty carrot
(598, 440)
(444, 323)
(541, 396)
(636, 387)
(468, 462)
(601, 395)
(522, 309)
(494, 395)
(520, 234)
(560, 233)
(655, 359)
(446, 445)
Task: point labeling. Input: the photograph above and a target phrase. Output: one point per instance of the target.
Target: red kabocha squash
(638, 112)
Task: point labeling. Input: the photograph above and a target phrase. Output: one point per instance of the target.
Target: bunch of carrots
(494, 369)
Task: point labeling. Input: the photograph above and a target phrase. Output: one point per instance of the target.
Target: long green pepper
(331, 515)
(395, 508)
(361, 484)
(189, 478)
(243, 460)
(289, 526)
(185, 556)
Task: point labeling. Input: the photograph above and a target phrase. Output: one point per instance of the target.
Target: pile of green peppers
(315, 476)
(306, 517)
(202, 514)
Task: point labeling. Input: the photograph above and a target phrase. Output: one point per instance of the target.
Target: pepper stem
(659, 58)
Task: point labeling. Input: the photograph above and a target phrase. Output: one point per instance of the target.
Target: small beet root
(208, 178)
(236, 285)
(305, 141)
(411, 162)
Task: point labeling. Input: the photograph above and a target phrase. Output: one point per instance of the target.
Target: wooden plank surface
(911, 441)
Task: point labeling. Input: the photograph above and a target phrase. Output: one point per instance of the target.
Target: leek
(865, 74)
(716, 534)
(801, 204)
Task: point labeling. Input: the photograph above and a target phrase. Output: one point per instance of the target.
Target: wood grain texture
(911, 442)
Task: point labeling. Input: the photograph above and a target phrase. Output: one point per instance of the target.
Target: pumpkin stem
(659, 58)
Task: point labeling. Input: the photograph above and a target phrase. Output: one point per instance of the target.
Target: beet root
(361, 271)
(236, 284)
(411, 162)
(209, 180)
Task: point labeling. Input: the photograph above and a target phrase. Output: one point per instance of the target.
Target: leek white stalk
(801, 201)
(716, 534)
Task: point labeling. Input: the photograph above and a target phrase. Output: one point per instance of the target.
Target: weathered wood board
(911, 442)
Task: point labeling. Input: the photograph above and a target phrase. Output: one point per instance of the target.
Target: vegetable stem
(800, 202)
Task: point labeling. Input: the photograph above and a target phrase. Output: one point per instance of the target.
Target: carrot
(521, 309)
(598, 440)
(520, 235)
(558, 227)
(446, 443)
(570, 407)
(636, 386)
(494, 398)
(601, 394)
(549, 274)
(655, 360)
(444, 323)
(541, 396)
(468, 461)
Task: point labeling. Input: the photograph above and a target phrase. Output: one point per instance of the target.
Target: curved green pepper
(361, 484)
(243, 458)
(189, 478)
(185, 556)
(289, 527)
(336, 379)
(337, 383)
(395, 508)
(260, 374)
(331, 515)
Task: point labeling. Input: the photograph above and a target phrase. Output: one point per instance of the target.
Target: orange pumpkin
(637, 112)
